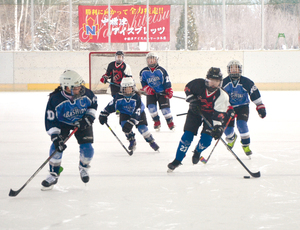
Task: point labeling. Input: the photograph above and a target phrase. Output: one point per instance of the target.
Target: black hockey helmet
(234, 69)
(119, 56)
(213, 74)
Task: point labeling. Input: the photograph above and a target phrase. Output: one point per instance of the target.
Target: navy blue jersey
(158, 79)
(239, 93)
(62, 110)
(132, 106)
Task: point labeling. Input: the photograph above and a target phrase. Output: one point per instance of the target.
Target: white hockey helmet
(71, 79)
(152, 56)
(234, 69)
(127, 82)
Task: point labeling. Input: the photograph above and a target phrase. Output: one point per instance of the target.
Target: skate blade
(170, 170)
(47, 188)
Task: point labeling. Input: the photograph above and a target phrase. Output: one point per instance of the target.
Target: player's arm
(108, 74)
(145, 87)
(127, 71)
(110, 108)
(90, 114)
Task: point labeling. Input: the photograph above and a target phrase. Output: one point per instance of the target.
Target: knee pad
(229, 131)
(143, 129)
(204, 142)
(153, 111)
(86, 153)
(56, 159)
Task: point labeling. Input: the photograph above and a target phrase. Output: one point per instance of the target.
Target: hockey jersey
(240, 91)
(133, 106)
(158, 79)
(62, 110)
(214, 104)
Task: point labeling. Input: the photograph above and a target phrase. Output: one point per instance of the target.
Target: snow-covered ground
(136, 192)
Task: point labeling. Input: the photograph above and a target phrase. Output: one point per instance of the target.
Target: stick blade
(13, 193)
(203, 160)
(257, 174)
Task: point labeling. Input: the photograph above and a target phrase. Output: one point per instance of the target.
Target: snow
(136, 192)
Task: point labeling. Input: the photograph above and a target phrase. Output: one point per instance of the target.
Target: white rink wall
(270, 70)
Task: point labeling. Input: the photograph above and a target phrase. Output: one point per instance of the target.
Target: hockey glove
(217, 131)
(148, 90)
(128, 126)
(169, 93)
(103, 118)
(104, 79)
(85, 122)
(261, 109)
(230, 112)
(58, 142)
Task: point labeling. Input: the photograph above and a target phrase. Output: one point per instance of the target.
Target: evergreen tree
(192, 35)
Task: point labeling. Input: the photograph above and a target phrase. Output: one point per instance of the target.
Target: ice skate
(173, 165)
(132, 145)
(154, 146)
(171, 125)
(247, 151)
(157, 126)
(231, 141)
(84, 175)
(196, 157)
(49, 182)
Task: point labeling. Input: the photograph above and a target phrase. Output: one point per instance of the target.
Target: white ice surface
(136, 192)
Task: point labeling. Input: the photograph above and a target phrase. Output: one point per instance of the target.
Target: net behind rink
(98, 62)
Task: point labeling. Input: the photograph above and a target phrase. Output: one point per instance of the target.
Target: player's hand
(104, 79)
(103, 118)
(261, 109)
(230, 112)
(148, 90)
(58, 142)
(169, 93)
(127, 126)
(217, 131)
(85, 122)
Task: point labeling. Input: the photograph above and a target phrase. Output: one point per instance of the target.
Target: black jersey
(212, 105)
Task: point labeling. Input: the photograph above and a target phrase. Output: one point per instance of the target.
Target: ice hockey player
(206, 97)
(129, 103)
(156, 84)
(70, 105)
(239, 89)
(115, 72)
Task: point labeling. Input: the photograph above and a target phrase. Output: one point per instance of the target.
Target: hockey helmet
(152, 59)
(72, 79)
(214, 79)
(234, 69)
(127, 86)
(119, 57)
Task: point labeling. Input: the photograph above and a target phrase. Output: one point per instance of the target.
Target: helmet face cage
(234, 69)
(152, 59)
(127, 87)
(213, 79)
(119, 57)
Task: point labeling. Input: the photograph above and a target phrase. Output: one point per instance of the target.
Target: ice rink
(136, 192)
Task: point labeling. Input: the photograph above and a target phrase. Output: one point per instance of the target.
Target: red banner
(128, 23)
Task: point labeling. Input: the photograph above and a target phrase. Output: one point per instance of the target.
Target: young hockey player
(157, 85)
(70, 105)
(115, 72)
(205, 96)
(239, 89)
(132, 113)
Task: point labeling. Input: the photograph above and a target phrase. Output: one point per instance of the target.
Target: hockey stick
(129, 152)
(202, 159)
(16, 192)
(163, 94)
(256, 174)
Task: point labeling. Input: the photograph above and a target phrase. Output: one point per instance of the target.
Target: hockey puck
(247, 177)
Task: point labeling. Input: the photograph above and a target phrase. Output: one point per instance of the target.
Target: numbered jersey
(132, 106)
(62, 110)
(240, 91)
(158, 79)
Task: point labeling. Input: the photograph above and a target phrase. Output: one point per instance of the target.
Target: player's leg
(191, 127)
(143, 129)
(230, 134)
(85, 138)
(131, 135)
(242, 126)
(152, 107)
(164, 105)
